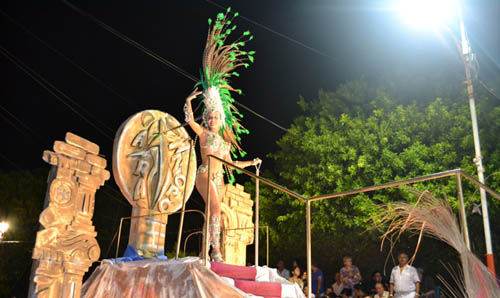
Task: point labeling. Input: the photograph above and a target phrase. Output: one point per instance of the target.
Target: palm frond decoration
(434, 218)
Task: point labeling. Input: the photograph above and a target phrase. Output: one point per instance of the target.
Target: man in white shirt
(404, 282)
(282, 271)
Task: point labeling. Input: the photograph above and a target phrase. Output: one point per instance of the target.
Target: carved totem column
(237, 224)
(150, 165)
(67, 247)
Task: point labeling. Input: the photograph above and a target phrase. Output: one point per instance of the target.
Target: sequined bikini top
(215, 143)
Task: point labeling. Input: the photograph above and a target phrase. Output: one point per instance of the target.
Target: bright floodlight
(4, 226)
(427, 13)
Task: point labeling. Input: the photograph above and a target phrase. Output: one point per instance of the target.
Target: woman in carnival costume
(220, 131)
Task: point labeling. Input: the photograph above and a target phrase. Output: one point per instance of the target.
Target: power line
(45, 84)
(264, 118)
(158, 57)
(97, 80)
(15, 126)
(132, 42)
(20, 122)
(15, 165)
(36, 77)
(114, 197)
(31, 130)
(488, 89)
(276, 32)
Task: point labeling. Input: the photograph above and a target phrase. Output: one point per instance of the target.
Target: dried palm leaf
(434, 218)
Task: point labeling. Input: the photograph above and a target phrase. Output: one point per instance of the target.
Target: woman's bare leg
(214, 221)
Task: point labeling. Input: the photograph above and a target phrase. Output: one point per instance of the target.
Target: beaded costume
(217, 146)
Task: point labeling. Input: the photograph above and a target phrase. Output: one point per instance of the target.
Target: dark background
(360, 39)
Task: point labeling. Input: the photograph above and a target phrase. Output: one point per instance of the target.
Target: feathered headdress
(220, 59)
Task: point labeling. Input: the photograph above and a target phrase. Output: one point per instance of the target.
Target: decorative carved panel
(67, 247)
(237, 224)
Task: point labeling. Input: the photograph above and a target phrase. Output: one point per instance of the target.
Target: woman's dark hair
(300, 269)
(375, 272)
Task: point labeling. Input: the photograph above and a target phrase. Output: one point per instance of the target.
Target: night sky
(355, 39)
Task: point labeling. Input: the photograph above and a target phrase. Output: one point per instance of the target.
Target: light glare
(4, 226)
(427, 13)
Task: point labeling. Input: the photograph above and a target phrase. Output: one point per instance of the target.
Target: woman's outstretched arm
(243, 164)
(188, 111)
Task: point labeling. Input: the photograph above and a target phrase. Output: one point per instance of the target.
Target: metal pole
(256, 237)
(267, 241)
(463, 215)
(207, 217)
(478, 160)
(308, 248)
(181, 224)
(119, 237)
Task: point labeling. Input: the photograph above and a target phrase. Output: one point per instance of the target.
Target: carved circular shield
(151, 154)
(61, 191)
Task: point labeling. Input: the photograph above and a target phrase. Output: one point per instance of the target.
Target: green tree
(361, 135)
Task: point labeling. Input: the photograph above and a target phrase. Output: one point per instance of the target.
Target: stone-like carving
(67, 247)
(150, 165)
(237, 223)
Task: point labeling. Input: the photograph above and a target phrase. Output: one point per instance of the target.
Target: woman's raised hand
(193, 95)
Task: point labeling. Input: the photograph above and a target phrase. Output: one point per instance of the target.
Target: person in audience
(359, 292)
(380, 291)
(346, 293)
(296, 277)
(350, 274)
(318, 280)
(282, 271)
(427, 286)
(306, 288)
(329, 293)
(338, 285)
(377, 278)
(304, 277)
(404, 281)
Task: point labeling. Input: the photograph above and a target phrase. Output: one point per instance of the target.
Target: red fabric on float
(234, 271)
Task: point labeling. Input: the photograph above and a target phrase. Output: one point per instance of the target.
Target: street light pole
(478, 160)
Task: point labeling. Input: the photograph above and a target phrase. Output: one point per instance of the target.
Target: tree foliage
(362, 135)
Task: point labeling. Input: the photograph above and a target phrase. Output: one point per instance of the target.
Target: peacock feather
(220, 60)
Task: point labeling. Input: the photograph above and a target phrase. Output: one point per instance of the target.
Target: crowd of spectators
(405, 281)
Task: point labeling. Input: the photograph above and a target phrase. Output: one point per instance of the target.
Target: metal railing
(257, 179)
(458, 173)
(189, 236)
(149, 215)
(247, 228)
